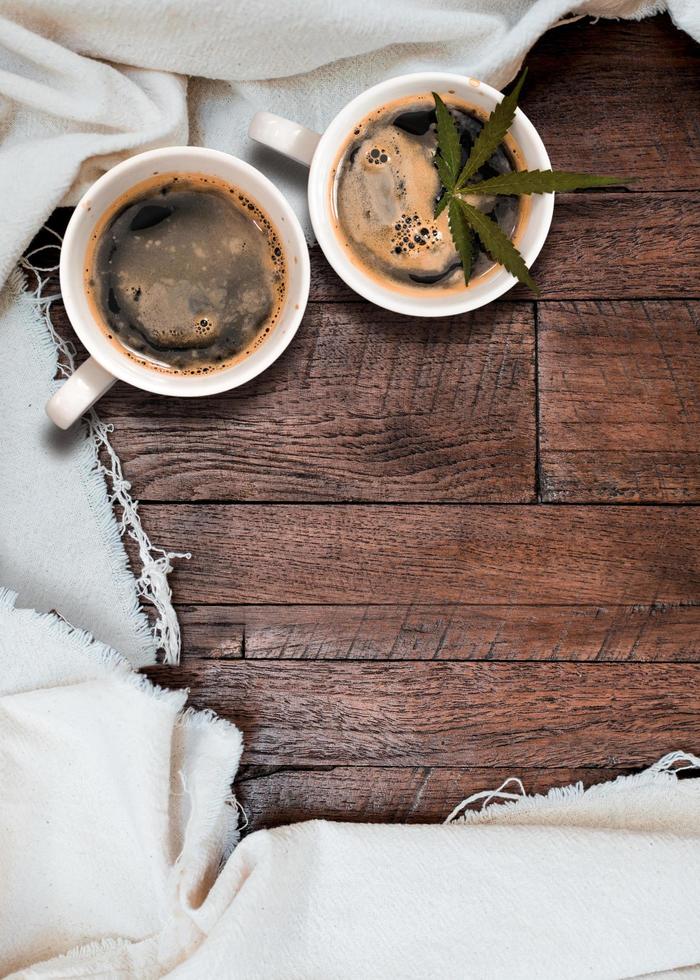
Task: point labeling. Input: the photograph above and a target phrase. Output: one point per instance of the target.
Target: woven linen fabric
(60, 546)
(115, 810)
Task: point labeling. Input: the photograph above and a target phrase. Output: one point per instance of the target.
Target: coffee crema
(385, 185)
(186, 274)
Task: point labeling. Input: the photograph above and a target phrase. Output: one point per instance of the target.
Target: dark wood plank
(622, 246)
(626, 101)
(258, 553)
(619, 397)
(365, 405)
(272, 797)
(308, 713)
(443, 632)
(210, 632)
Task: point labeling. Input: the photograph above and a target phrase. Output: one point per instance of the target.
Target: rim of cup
(409, 302)
(195, 160)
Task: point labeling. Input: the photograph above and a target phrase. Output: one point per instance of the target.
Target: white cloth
(59, 542)
(114, 810)
(114, 819)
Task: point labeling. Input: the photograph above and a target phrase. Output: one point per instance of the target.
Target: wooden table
(428, 555)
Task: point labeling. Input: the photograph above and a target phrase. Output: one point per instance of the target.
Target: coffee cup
(108, 361)
(321, 154)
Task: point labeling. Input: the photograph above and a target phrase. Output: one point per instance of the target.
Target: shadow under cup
(117, 183)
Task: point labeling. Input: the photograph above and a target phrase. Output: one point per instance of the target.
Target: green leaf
(463, 237)
(497, 244)
(448, 141)
(442, 203)
(444, 174)
(540, 182)
(491, 136)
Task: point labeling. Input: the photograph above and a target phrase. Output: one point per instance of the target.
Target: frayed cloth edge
(151, 585)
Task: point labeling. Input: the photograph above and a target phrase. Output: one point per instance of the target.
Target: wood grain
(443, 632)
(612, 246)
(283, 554)
(271, 796)
(211, 632)
(308, 713)
(625, 103)
(364, 405)
(619, 397)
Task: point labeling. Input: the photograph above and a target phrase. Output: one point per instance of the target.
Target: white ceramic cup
(320, 154)
(108, 362)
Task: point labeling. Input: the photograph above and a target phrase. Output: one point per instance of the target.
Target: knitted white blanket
(114, 817)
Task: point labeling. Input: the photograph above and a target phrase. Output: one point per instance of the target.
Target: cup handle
(79, 393)
(285, 136)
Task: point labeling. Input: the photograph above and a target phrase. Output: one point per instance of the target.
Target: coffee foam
(187, 305)
(383, 190)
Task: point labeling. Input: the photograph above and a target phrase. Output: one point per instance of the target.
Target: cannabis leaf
(449, 147)
(446, 180)
(467, 223)
(462, 236)
(491, 136)
(444, 172)
(499, 247)
(539, 182)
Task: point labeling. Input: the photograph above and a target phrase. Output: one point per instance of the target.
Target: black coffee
(187, 274)
(386, 186)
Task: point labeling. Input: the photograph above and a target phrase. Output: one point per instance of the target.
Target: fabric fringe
(60, 629)
(217, 822)
(155, 563)
(622, 9)
(493, 801)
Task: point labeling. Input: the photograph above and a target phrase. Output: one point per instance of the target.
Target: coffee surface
(187, 274)
(386, 186)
